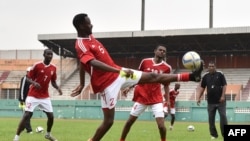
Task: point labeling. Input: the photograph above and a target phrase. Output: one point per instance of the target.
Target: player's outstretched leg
(196, 75)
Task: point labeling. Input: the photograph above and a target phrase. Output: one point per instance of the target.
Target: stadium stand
(67, 86)
(246, 92)
(237, 88)
(238, 83)
(238, 76)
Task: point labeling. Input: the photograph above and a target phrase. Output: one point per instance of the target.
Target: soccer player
(40, 76)
(107, 78)
(150, 95)
(23, 92)
(173, 93)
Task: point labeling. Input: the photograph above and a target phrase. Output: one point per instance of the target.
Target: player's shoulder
(147, 59)
(53, 65)
(38, 63)
(219, 72)
(83, 42)
(205, 74)
(166, 64)
(171, 90)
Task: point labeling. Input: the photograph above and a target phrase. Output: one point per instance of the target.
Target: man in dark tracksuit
(23, 92)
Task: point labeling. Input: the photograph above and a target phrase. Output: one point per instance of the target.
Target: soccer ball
(191, 60)
(39, 129)
(190, 128)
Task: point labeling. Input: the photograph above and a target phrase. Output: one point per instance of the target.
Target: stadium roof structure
(211, 41)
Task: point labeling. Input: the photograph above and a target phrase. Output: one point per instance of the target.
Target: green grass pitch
(82, 129)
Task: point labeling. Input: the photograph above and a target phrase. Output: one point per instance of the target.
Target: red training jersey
(149, 94)
(172, 96)
(41, 74)
(88, 49)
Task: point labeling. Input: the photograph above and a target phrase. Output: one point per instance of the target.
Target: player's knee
(130, 123)
(109, 123)
(50, 115)
(161, 127)
(173, 116)
(27, 115)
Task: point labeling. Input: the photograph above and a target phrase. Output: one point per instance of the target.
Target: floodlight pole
(211, 14)
(142, 14)
(60, 54)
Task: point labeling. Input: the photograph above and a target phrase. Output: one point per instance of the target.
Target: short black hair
(212, 62)
(159, 45)
(79, 19)
(46, 50)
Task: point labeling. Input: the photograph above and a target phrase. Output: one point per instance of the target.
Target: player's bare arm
(166, 96)
(54, 84)
(79, 88)
(126, 90)
(82, 75)
(34, 83)
(102, 66)
(77, 91)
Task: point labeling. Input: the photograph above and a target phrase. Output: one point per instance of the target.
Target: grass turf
(82, 129)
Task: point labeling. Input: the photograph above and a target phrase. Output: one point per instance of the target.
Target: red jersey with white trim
(88, 49)
(149, 94)
(42, 74)
(172, 96)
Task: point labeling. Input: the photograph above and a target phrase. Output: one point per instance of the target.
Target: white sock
(16, 137)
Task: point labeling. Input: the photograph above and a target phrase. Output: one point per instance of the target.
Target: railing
(88, 95)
